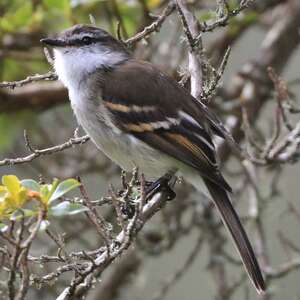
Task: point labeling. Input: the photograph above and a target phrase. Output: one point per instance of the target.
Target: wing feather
(161, 114)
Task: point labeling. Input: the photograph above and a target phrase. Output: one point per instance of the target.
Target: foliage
(25, 198)
(28, 21)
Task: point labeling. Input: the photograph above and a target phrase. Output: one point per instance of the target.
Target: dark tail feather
(233, 224)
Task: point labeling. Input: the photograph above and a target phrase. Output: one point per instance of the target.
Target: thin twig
(153, 27)
(29, 79)
(46, 151)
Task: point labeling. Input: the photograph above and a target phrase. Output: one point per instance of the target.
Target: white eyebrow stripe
(81, 35)
(190, 119)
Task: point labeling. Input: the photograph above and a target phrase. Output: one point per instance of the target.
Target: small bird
(140, 117)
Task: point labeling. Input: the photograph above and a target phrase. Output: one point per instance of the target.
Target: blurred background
(175, 256)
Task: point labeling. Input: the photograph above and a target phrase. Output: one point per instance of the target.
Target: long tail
(233, 224)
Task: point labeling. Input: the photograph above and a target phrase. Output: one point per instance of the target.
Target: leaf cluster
(25, 198)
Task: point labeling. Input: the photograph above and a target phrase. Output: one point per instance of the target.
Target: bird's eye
(87, 40)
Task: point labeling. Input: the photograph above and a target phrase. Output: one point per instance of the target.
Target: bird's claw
(162, 185)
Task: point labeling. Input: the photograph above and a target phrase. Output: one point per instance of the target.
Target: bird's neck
(74, 69)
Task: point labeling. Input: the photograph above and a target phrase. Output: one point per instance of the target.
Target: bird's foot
(161, 185)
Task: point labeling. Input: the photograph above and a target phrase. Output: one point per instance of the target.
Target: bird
(141, 117)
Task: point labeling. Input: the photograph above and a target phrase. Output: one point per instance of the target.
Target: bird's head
(85, 48)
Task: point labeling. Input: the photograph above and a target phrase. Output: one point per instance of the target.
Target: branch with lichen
(35, 153)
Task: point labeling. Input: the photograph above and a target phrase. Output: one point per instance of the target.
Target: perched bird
(139, 116)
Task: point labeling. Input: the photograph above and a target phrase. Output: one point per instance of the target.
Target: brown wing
(156, 110)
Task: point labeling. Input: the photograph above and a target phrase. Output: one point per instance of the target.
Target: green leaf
(3, 227)
(63, 188)
(20, 213)
(31, 185)
(45, 191)
(66, 208)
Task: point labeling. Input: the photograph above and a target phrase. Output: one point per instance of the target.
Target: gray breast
(125, 150)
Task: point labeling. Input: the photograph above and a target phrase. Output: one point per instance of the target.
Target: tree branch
(29, 79)
(153, 27)
(36, 97)
(46, 151)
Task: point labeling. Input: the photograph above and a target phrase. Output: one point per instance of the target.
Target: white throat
(73, 65)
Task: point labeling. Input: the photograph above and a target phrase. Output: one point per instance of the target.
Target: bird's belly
(129, 153)
(125, 150)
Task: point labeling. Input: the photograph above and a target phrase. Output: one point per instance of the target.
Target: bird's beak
(54, 42)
